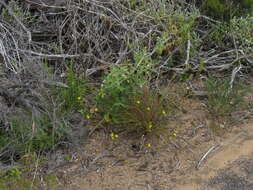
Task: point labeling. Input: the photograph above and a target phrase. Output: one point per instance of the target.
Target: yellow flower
(79, 98)
(150, 125)
(163, 112)
(174, 134)
(187, 88)
(87, 116)
(149, 145)
(138, 102)
(96, 109)
(114, 136)
(148, 108)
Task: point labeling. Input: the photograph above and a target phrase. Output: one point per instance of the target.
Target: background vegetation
(69, 64)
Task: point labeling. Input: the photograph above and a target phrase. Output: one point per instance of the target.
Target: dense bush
(128, 104)
(227, 9)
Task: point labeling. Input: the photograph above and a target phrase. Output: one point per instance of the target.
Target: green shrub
(125, 99)
(222, 100)
(237, 33)
(117, 86)
(227, 9)
(241, 31)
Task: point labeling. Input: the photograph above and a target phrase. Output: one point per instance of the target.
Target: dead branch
(206, 154)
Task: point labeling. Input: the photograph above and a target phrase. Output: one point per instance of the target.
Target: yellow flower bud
(149, 145)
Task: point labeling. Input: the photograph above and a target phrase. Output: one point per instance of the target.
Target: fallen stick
(205, 155)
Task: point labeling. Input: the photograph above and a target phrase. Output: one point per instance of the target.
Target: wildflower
(128, 81)
(96, 109)
(164, 112)
(148, 108)
(187, 88)
(149, 145)
(114, 136)
(174, 134)
(79, 98)
(138, 102)
(150, 125)
(87, 116)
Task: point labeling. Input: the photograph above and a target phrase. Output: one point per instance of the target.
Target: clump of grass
(145, 112)
(73, 95)
(27, 175)
(31, 134)
(224, 100)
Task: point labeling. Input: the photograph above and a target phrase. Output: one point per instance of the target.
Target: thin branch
(18, 21)
(54, 55)
(205, 155)
(188, 52)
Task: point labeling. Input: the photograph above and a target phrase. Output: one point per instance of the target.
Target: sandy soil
(198, 158)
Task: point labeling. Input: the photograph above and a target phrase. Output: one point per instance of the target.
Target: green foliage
(18, 183)
(222, 100)
(246, 7)
(136, 4)
(125, 99)
(32, 133)
(237, 32)
(43, 128)
(241, 31)
(117, 86)
(218, 9)
(23, 178)
(15, 179)
(24, 16)
(13, 173)
(73, 95)
(145, 112)
(227, 9)
(178, 29)
(122, 82)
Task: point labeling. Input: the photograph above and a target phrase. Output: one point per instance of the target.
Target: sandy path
(236, 146)
(152, 172)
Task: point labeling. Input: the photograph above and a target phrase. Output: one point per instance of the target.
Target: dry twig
(206, 154)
